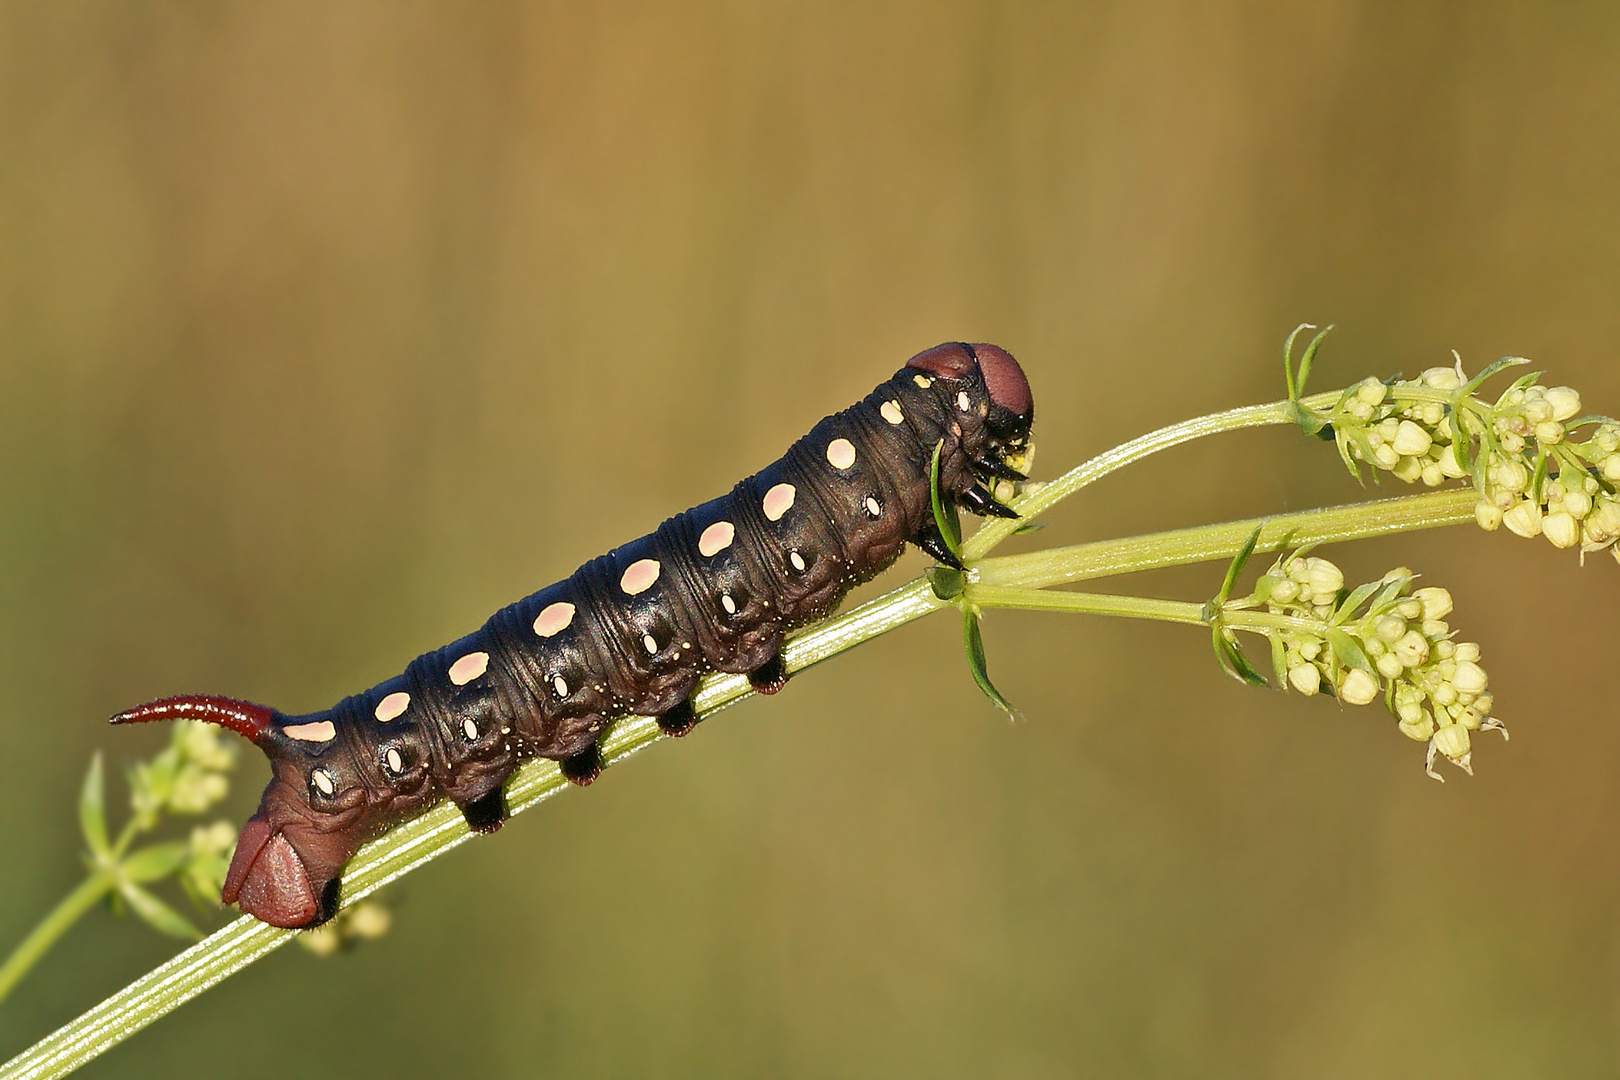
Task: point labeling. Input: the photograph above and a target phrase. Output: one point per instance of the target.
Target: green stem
(89, 892)
(1131, 607)
(1044, 498)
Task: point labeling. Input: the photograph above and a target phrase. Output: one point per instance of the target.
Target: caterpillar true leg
(487, 813)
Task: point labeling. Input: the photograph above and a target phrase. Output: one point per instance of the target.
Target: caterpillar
(631, 632)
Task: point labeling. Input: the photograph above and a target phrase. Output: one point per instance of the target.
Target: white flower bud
(1469, 678)
(1306, 679)
(1419, 729)
(1549, 432)
(1408, 470)
(1435, 600)
(1412, 649)
(1565, 402)
(1409, 712)
(1488, 516)
(1432, 476)
(1371, 391)
(1603, 523)
(1284, 592)
(1324, 578)
(1452, 741)
(1389, 666)
(1578, 503)
(1511, 476)
(1561, 529)
(1445, 695)
(1390, 628)
(1466, 652)
(1536, 410)
(1450, 464)
(1611, 467)
(1359, 687)
(1441, 378)
(1524, 519)
(1385, 456)
(1411, 440)
(1410, 608)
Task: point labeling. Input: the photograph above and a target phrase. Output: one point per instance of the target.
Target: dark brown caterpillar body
(712, 589)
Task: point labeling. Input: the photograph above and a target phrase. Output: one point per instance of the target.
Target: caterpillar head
(310, 821)
(992, 386)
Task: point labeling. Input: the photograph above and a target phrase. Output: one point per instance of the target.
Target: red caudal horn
(242, 717)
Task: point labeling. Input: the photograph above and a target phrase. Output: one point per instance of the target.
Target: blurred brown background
(326, 329)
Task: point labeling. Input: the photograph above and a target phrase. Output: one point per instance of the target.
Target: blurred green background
(325, 330)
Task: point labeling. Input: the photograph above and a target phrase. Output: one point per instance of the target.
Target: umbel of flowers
(1541, 469)
(1381, 639)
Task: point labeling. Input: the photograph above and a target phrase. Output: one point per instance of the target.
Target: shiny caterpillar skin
(713, 589)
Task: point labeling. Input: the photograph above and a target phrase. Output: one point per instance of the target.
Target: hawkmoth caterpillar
(712, 589)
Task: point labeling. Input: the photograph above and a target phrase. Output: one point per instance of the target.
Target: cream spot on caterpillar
(716, 538)
(840, 453)
(393, 762)
(319, 731)
(797, 560)
(923, 381)
(392, 707)
(778, 501)
(728, 603)
(469, 667)
(559, 684)
(469, 729)
(554, 619)
(890, 411)
(649, 643)
(962, 401)
(873, 507)
(323, 781)
(639, 577)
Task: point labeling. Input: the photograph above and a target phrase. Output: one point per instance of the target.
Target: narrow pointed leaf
(1232, 661)
(156, 914)
(93, 810)
(1348, 650)
(944, 517)
(155, 862)
(976, 663)
(1490, 369)
(1235, 568)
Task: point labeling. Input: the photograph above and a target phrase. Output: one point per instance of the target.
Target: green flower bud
(1488, 516)
(1324, 578)
(1412, 649)
(1441, 378)
(1419, 729)
(1469, 678)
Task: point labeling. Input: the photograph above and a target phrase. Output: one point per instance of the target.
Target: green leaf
(1030, 527)
(1348, 650)
(944, 517)
(1352, 602)
(1310, 355)
(1230, 656)
(156, 914)
(1490, 369)
(981, 674)
(1235, 567)
(93, 811)
(155, 862)
(946, 582)
(1279, 657)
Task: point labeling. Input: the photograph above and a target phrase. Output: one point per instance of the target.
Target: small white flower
(1549, 432)
(1372, 392)
(1436, 602)
(1324, 578)
(1442, 378)
(1452, 741)
(1488, 515)
(1469, 678)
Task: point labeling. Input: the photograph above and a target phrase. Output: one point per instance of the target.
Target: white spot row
(778, 501)
(890, 411)
(469, 667)
(639, 576)
(841, 454)
(716, 538)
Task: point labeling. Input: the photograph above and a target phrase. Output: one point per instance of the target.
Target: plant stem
(1044, 498)
(51, 928)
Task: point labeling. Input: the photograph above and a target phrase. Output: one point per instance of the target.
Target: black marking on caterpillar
(713, 589)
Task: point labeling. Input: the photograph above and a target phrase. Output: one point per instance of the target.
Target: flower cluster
(187, 777)
(1381, 638)
(1533, 475)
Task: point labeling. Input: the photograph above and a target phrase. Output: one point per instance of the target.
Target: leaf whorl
(712, 589)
